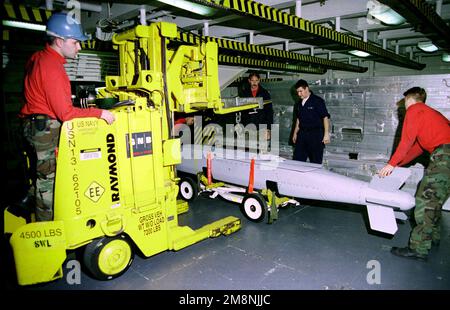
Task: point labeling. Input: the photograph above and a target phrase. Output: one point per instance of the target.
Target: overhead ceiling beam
(270, 65)
(424, 18)
(262, 52)
(398, 33)
(290, 26)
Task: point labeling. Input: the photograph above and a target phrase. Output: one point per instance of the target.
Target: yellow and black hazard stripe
(259, 51)
(98, 45)
(295, 24)
(262, 80)
(24, 13)
(89, 44)
(266, 64)
(198, 137)
(206, 136)
(268, 80)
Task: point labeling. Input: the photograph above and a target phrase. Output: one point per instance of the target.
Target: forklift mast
(116, 185)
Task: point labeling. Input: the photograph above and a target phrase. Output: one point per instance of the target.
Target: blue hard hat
(62, 25)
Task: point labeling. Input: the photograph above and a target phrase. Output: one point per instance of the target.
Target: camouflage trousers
(43, 136)
(431, 195)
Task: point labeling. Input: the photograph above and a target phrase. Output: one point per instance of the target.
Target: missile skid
(116, 185)
(256, 205)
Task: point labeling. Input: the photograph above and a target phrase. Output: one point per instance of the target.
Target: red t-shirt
(424, 129)
(255, 91)
(47, 88)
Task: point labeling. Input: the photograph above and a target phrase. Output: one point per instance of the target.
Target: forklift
(116, 185)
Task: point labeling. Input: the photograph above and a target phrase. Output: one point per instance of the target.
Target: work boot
(409, 253)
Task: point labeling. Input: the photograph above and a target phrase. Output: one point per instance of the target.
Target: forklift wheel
(188, 189)
(108, 257)
(254, 207)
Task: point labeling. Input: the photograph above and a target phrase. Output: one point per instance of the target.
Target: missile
(382, 196)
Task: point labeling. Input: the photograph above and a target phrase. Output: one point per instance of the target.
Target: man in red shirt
(48, 98)
(424, 129)
(259, 117)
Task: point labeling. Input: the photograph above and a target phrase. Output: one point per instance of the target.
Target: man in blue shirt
(311, 131)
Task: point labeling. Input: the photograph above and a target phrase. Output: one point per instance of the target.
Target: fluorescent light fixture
(359, 53)
(384, 13)
(16, 24)
(446, 57)
(189, 6)
(427, 46)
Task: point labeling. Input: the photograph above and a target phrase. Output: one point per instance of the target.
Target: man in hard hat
(48, 103)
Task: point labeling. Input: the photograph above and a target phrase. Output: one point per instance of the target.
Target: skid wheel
(188, 189)
(108, 257)
(254, 207)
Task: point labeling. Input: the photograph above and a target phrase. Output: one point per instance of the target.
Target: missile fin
(382, 218)
(391, 182)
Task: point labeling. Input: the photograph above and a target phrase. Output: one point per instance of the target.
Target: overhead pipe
(251, 37)
(143, 15)
(337, 26)
(206, 28)
(298, 8)
(49, 5)
(439, 7)
(91, 7)
(82, 5)
(158, 14)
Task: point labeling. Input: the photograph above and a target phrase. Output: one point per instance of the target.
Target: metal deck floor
(308, 247)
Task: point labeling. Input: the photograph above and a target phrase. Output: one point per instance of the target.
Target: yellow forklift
(116, 185)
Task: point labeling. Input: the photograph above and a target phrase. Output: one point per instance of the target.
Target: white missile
(306, 180)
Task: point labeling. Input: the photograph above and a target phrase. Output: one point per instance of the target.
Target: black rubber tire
(254, 207)
(94, 254)
(188, 189)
